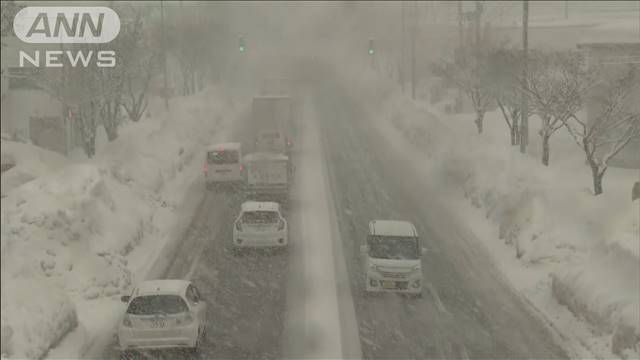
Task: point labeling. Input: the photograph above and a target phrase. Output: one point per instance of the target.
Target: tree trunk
(479, 121)
(514, 134)
(545, 149)
(597, 176)
(87, 122)
(597, 179)
(110, 119)
(515, 131)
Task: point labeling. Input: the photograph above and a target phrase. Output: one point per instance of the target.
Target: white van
(392, 257)
(223, 165)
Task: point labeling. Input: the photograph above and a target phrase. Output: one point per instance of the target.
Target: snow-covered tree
(505, 68)
(469, 72)
(139, 60)
(194, 35)
(556, 85)
(615, 123)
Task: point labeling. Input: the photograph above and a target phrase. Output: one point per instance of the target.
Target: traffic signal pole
(414, 34)
(165, 91)
(402, 44)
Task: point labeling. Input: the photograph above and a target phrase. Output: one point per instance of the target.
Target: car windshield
(157, 304)
(393, 247)
(260, 217)
(223, 157)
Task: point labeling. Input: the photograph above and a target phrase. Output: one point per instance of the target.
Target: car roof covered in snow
(272, 97)
(225, 146)
(392, 228)
(264, 156)
(260, 206)
(150, 287)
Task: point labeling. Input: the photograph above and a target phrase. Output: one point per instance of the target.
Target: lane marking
(436, 299)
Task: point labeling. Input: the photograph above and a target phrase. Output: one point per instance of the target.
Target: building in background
(28, 112)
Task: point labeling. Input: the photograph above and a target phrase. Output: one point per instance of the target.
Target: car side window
(196, 293)
(192, 296)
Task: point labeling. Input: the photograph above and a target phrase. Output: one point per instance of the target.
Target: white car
(162, 314)
(392, 257)
(260, 224)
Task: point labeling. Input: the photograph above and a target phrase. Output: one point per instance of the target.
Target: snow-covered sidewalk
(75, 239)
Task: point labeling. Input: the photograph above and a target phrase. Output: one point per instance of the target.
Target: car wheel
(194, 352)
(363, 291)
(127, 355)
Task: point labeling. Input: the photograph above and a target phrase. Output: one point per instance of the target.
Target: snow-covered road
(308, 303)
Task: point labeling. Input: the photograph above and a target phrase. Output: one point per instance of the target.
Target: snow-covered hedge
(35, 314)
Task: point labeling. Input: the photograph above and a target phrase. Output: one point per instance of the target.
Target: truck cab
(392, 258)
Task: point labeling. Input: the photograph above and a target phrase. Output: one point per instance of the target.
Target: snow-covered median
(84, 233)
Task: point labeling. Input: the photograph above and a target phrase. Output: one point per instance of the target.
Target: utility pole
(524, 112)
(478, 22)
(403, 60)
(460, 46)
(165, 91)
(460, 26)
(414, 33)
(566, 10)
(638, 2)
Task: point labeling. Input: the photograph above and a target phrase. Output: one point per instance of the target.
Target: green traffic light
(370, 51)
(241, 48)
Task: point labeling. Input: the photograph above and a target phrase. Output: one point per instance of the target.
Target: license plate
(388, 284)
(157, 324)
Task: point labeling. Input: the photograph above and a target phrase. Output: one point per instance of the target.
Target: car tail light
(281, 225)
(186, 320)
(206, 167)
(241, 168)
(238, 226)
(126, 321)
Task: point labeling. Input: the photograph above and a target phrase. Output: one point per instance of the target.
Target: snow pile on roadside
(66, 235)
(548, 216)
(29, 163)
(36, 315)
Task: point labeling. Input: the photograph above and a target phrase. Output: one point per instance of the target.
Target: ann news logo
(67, 25)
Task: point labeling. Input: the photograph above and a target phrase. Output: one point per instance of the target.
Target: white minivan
(392, 257)
(223, 165)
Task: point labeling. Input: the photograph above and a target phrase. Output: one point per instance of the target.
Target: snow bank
(547, 216)
(31, 321)
(29, 162)
(76, 235)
